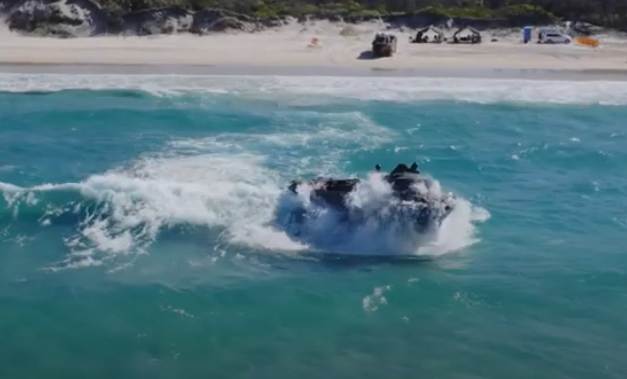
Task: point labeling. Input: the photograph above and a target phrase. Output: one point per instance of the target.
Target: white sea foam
(229, 188)
(327, 88)
(231, 185)
(386, 229)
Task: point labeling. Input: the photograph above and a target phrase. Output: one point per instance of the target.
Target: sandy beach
(337, 46)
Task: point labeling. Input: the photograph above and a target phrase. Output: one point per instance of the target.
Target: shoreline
(312, 71)
(290, 51)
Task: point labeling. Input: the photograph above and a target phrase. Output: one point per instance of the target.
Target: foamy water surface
(149, 213)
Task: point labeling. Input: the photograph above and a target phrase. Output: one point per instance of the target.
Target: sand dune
(339, 45)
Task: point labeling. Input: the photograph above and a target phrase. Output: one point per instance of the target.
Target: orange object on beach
(587, 41)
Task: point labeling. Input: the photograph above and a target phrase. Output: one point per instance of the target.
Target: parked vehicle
(553, 37)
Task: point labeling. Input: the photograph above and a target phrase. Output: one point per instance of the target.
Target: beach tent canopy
(430, 33)
(466, 32)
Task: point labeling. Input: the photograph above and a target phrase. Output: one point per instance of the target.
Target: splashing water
(167, 185)
(385, 226)
(122, 212)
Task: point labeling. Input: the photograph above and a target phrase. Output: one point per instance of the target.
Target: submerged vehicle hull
(407, 204)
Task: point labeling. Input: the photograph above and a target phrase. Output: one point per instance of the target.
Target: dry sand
(338, 46)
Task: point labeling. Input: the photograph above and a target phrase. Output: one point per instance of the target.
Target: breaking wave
(330, 89)
(234, 199)
(376, 223)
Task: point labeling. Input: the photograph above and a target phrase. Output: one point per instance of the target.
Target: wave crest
(233, 198)
(376, 223)
(310, 90)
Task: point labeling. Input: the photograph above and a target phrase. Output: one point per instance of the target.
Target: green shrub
(517, 14)
(450, 12)
(526, 14)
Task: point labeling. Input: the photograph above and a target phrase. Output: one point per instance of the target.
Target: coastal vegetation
(609, 13)
(68, 18)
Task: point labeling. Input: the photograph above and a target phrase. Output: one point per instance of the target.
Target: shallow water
(138, 226)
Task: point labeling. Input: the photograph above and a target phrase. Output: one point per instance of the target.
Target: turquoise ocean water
(140, 233)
